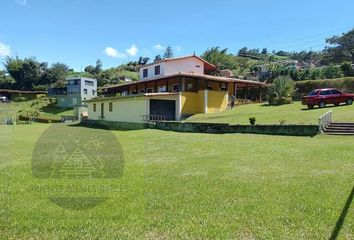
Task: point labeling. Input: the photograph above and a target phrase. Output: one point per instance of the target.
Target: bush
(343, 84)
(252, 120)
(281, 91)
(19, 99)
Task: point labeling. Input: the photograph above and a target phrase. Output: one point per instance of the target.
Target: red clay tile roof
(202, 76)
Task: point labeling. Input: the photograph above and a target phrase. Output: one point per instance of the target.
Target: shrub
(252, 120)
(281, 91)
(19, 99)
(343, 84)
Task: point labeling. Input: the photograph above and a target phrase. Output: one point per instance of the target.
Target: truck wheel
(322, 104)
(349, 101)
(310, 106)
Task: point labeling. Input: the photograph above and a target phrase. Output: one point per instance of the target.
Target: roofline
(204, 76)
(178, 58)
(132, 96)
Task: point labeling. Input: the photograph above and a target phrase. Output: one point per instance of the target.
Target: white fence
(325, 120)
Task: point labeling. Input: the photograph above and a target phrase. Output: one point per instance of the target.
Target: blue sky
(78, 32)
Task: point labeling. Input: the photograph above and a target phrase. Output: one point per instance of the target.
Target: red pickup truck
(324, 96)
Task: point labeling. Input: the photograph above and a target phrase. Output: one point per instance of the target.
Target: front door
(102, 110)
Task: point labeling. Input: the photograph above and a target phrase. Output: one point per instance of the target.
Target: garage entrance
(166, 108)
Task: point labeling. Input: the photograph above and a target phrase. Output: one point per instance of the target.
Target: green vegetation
(190, 186)
(290, 114)
(41, 107)
(305, 87)
(281, 91)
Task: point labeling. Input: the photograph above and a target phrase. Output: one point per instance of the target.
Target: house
(76, 91)
(170, 89)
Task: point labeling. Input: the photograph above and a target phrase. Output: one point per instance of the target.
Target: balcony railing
(153, 118)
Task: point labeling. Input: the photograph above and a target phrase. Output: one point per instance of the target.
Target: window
(176, 88)
(85, 91)
(94, 107)
(145, 73)
(89, 83)
(93, 92)
(313, 93)
(111, 107)
(223, 86)
(198, 66)
(336, 92)
(149, 90)
(162, 89)
(157, 70)
(189, 86)
(325, 93)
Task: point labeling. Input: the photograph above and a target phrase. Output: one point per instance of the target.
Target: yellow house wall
(124, 110)
(217, 101)
(192, 102)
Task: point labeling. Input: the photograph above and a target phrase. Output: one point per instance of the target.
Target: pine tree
(168, 52)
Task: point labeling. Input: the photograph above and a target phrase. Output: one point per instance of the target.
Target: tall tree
(56, 74)
(98, 67)
(168, 52)
(343, 49)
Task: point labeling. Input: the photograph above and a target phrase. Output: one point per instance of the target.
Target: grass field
(191, 186)
(44, 111)
(290, 113)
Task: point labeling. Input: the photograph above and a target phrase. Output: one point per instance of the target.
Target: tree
(90, 69)
(264, 51)
(343, 49)
(56, 74)
(98, 67)
(281, 91)
(332, 71)
(168, 52)
(157, 58)
(220, 58)
(143, 61)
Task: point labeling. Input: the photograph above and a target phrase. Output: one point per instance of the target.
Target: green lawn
(45, 111)
(291, 113)
(190, 186)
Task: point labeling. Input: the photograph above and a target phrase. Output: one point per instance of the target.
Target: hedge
(343, 84)
(39, 119)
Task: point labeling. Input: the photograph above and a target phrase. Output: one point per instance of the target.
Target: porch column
(235, 84)
(206, 101)
(260, 94)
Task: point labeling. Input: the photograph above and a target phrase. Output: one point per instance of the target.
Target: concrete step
(340, 133)
(340, 128)
(347, 124)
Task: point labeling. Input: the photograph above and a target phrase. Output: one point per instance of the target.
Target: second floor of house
(166, 67)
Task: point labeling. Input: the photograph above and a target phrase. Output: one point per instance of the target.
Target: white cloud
(159, 47)
(178, 48)
(4, 50)
(109, 51)
(22, 2)
(132, 51)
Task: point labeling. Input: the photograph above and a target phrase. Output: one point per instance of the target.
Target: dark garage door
(165, 108)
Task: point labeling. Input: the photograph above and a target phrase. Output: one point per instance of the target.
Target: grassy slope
(293, 113)
(197, 186)
(47, 112)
